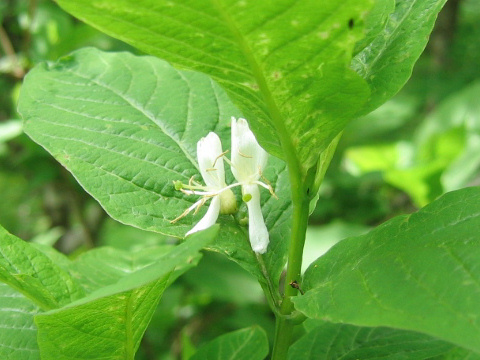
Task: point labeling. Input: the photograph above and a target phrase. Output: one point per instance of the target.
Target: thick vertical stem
(284, 326)
(283, 338)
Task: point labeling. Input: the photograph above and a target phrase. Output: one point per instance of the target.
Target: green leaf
(322, 166)
(375, 22)
(387, 62)
(109, 327)
(347, 342)
(287, 72)
(109, 323)
(128, 126)
(35, 275)
(18, 334)
(416, 272)
(105, 266)
(459, 354)
(249, 344)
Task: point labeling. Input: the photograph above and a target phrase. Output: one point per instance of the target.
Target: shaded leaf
(108, 327)
(35, 275)
(18, 333)
(347, 342)
(105, 266)
(249, 344)
(109, 323)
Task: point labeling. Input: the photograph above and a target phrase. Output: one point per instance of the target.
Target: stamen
(192, 181)
(246, 156)
(219, 156)
(204, 200)
(185, 213)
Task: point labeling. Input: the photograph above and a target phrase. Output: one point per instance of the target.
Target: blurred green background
(419, 145)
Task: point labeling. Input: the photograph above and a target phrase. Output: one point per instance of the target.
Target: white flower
(210, 162)
(248, 162)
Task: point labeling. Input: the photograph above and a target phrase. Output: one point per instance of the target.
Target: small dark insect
(308, 191)
(294, 284)
(351, 23)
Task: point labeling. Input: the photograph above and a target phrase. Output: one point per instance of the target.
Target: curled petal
(257, 230)
(209, 218)
(248, 158)
(210, 160)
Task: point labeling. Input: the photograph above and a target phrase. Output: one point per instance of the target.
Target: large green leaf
(329, 341)
(418, 272)
(105, 266)
(386, 63)
(18, 334)
(34, 274)
(127, 127)
(109, 323)
(284, 63)
(246, 344)
(109, 327)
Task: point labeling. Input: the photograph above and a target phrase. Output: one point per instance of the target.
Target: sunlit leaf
(284, 63)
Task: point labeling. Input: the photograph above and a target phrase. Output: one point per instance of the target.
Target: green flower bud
(247, 197)
(178, 185)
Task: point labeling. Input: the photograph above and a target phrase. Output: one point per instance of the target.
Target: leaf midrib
(294, 166)
(129, 343)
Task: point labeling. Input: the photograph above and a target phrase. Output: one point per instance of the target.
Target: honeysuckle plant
(143, 135)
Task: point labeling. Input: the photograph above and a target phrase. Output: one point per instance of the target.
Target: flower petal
(257, 230)
(209, 148)
(248, 157)
(209, 218)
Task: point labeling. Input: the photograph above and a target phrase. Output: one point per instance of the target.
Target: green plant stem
(284, 325)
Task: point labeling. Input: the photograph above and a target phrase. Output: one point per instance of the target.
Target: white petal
(257, 230)
(209, 149)
(248, 157)
(209, 218)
